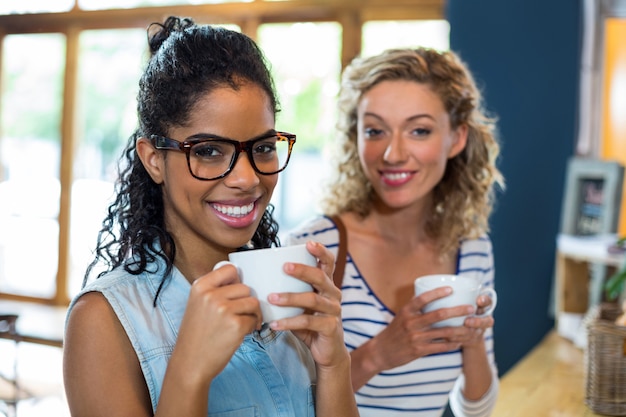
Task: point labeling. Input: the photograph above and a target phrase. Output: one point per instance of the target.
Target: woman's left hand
(474, 327)
(319, 327)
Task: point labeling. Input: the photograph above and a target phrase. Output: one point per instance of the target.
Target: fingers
(244, 313)
(419, 307)
(323, 305)
(222, 295)
(465, 335)
(224, 273)
(427, 297)
(311, 301)
(323, 324)
(434, 340)
(318, 305)
(318, 277)
(325, 258)
(424, 319)
(484, 301)
(480, 322)
(440, 345)
(471, 333)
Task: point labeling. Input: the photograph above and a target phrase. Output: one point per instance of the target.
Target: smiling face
(404, 142)
(218, 215)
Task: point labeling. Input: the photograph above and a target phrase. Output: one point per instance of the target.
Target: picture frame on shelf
(592, 198)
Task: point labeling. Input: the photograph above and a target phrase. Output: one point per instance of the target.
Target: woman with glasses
(160, 332)
(413, 191)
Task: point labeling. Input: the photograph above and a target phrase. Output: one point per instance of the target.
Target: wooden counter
(547, 382)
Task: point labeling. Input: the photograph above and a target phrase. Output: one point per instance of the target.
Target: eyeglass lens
(213, 158)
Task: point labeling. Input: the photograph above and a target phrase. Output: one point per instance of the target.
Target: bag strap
(342, 252)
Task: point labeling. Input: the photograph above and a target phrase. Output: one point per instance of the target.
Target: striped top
(422, 387)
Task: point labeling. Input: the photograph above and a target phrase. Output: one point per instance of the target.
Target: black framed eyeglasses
(211, 157)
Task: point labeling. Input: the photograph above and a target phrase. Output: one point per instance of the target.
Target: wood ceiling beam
(261, 11)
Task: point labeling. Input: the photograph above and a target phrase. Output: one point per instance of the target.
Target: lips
(236, 215)
(396, 178)
(234, 211)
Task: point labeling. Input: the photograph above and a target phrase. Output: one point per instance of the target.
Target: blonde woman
(415, 172)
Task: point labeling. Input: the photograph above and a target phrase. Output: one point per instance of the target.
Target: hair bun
(159, 32)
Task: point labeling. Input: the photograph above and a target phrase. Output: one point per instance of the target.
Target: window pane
(35, 6)
(378, 36)
(110, 64)
(306, 63)
(33, 67)
(129, 4)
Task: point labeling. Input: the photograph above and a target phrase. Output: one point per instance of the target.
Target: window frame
(350, 14)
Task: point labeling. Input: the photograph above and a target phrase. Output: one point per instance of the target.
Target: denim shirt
(270, 374)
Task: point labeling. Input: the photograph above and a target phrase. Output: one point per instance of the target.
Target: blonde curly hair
(463, 200)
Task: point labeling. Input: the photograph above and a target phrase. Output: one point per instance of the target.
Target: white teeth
(396, 176)
(234, 211)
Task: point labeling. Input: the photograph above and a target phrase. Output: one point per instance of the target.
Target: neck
(406, 226)
(194, 261)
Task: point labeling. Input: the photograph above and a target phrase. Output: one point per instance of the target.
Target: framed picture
(593, 196)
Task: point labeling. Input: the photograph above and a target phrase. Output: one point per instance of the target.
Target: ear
(459, 137)
(151, 159)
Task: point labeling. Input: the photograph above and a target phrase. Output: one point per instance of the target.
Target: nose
(396, 150)
(243, 174)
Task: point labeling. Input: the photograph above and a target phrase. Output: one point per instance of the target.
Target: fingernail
(273, 297)
(288, 267)
(221, 264)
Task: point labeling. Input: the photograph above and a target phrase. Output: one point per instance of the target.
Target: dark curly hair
(186, 62)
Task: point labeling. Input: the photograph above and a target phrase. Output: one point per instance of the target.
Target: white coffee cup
(465, 291)
(262, 271)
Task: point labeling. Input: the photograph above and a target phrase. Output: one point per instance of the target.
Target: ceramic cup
(262, 271)
(465, 290)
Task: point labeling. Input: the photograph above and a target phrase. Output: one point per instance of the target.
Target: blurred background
(69, 71)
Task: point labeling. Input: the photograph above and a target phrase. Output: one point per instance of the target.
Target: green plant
(615, 284)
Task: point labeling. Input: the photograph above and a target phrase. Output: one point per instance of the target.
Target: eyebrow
(410, 119)
(204, 135)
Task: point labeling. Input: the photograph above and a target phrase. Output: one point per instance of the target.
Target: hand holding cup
(465, 291)
(262, 271)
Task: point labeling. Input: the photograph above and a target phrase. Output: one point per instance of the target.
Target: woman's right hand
(219, 313)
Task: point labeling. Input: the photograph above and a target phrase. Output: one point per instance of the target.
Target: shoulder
(123, 285)
(109, 282)
(91, 327)
(481, 244)
(100, 362)
(89, 315)
(90, 305)
(320, 229)
(476, 254)
(476, 258)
